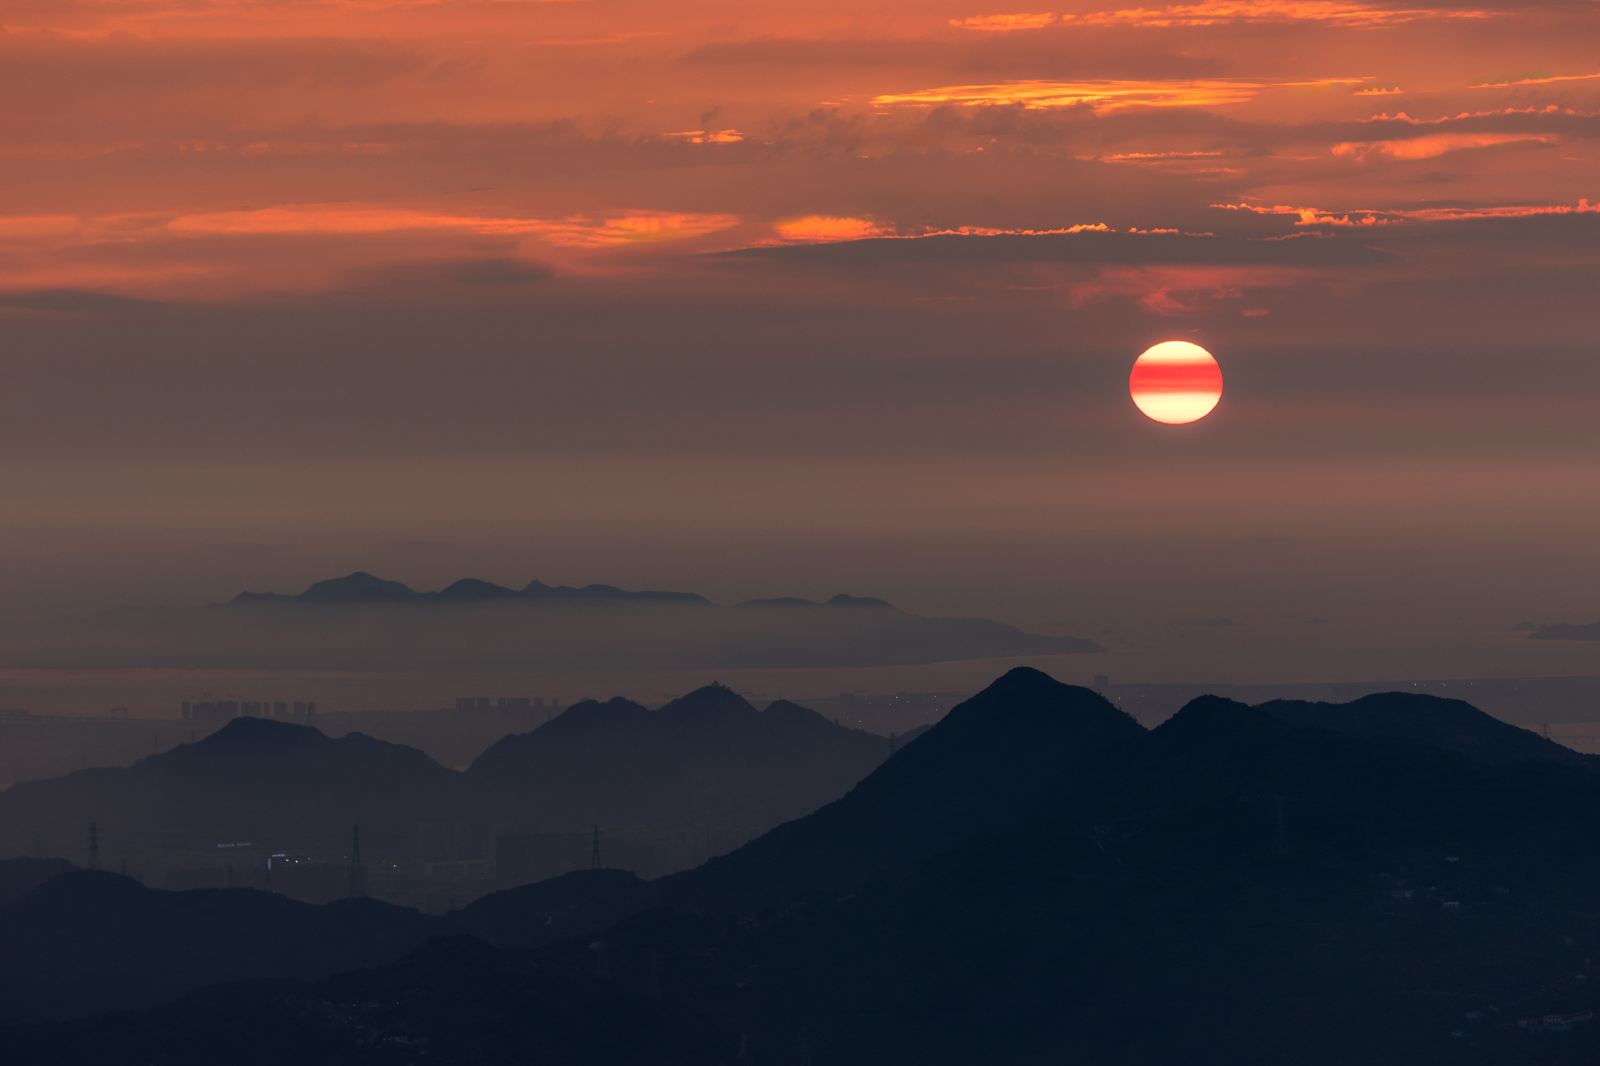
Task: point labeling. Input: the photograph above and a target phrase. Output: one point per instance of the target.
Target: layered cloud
(1106, 95)
(1224, 12)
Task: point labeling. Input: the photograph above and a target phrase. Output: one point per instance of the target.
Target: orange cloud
(1434, 145)
(990, 231)
(1157, 158)
(707, 136)
(822, 229)
(1463, 116)
(1108, 95)
(1311, 216)
(634, 227)
(1006, 23)
(1550, 80)
(30, 227)
(1361, 217)
(1221, 12)
(1218, 12)
(826, 229)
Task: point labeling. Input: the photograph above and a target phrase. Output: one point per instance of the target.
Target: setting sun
(1175, 382)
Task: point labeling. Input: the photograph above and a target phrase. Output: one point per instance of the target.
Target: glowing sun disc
(1175, 382)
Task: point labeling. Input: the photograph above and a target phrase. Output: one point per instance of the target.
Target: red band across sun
(1175, 382)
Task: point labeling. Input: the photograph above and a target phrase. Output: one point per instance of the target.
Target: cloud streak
(1109, 95)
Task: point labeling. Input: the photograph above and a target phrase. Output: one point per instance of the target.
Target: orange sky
(153, 147)
(741, 255)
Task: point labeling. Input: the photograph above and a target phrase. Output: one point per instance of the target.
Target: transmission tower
(358, 872)
(594, 850)
(94, 845)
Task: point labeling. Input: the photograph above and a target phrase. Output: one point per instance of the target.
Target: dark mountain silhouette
(253, 780)
(985, 764)
(471, 590)
(706, 758)
(1061, 885)
(1238, 886)
(362, 587)
(539, 590)
(780, 601)
(1567, 631)
(361, 622)
(1452, 725)
(20, 876)
(842, 600)
(514, 1006)
(357, 587)
(708, 762)
(541, 913)
(88, 942)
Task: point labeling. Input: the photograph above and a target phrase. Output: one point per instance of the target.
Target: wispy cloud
(1550, 79)
(1435, 145)
(1224, 12)
(1367, 217)
(1108, 95)
(1221, 12)
(829, 228)
(729, 136)
(578, 231)
(1025, 20)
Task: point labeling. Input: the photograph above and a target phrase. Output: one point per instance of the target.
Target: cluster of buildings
(224, 710)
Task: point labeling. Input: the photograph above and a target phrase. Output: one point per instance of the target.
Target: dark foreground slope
(989, 762)
(89, 941)
(1235, 887)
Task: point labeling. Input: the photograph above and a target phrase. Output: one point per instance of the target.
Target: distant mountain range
(362, 587)
(706, 759)
(1566, 631)
(1398, 881)
(366, 623)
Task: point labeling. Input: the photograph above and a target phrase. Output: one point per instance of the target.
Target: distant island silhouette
(363, 622)
(1566, 631)
(362, 587)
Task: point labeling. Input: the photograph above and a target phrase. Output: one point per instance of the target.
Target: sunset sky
(761, 299)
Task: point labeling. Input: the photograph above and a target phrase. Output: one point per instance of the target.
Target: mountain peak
(844, 600)
(1023, 681)
(257, 733)
(470, 589)
(712, 704)
(1211, 718)
(590, 716)
(358, 586)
